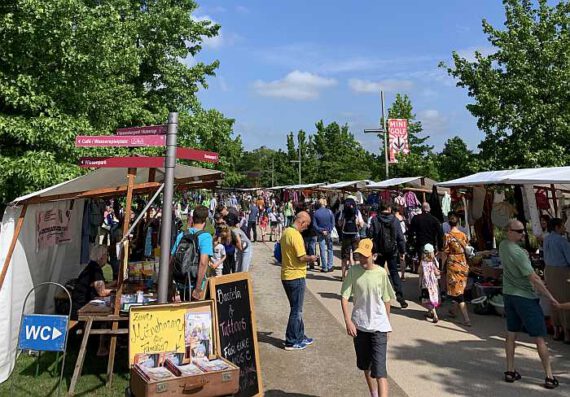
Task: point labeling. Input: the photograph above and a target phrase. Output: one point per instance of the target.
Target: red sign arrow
(146, 130)
(120, 141)
(121, 162)
(197, 155)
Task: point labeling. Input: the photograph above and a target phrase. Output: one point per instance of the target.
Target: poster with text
(53, 228)
(398, 138)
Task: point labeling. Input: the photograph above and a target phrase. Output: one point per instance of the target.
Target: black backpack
(186, 260)
(349, 213)
(384, 236)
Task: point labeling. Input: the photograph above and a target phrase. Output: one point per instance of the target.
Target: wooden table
(89, 314)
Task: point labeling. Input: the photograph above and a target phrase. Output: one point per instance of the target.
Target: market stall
(42, 237)
(492, 198)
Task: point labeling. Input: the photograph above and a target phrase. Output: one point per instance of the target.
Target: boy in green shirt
(369, 324)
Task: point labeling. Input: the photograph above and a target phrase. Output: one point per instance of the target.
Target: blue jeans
(295, 290)
(326, 245)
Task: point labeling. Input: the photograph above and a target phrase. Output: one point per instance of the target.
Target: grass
(94, 374)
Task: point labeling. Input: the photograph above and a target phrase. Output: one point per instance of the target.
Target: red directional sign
(146, 130)
(121, 162)
(197, 155)
(120, 141)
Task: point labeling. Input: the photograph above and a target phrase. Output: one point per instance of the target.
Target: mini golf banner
(398, 138)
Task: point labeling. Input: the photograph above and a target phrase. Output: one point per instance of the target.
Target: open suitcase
(217, 383)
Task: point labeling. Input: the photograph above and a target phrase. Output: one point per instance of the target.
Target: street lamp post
(298, 162)
(382, 130)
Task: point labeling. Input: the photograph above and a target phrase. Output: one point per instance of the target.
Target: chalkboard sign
(237, 332)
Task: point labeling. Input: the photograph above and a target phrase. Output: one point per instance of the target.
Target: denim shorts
(524, 315)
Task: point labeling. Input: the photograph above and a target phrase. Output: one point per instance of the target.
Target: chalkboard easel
(236, 328)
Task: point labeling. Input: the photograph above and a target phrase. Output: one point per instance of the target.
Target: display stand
(236, 328)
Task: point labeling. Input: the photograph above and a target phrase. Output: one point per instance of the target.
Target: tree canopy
(520, 91)
(78, 67)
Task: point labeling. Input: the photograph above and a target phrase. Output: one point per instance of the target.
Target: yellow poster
(156, 329)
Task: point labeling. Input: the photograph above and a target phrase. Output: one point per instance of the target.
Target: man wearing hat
(369, 324)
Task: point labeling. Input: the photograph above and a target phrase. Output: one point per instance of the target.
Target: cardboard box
(215, 383)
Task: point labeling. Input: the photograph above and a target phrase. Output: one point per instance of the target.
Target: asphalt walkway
(445, 359)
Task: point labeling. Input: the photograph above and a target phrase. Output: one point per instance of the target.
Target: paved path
(424, 359)
(326, 368)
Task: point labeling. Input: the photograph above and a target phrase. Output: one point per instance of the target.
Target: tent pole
(12, 247)
(128, 209)
(553, 188)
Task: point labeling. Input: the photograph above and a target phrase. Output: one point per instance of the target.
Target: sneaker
(403, 303)
(308, 341)
(296, 346)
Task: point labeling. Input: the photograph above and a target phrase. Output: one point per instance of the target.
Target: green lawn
(91, 383)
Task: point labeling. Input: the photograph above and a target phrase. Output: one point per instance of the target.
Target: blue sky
(287, 64)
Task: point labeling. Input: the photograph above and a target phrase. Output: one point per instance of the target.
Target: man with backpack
(389, 241)
(350, 222)
(191, 254)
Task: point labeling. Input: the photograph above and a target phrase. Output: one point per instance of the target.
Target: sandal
(511, 377)
(435, 320)
(551, 383)
(467, 324)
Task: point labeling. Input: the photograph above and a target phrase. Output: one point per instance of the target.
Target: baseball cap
(428, 248)
(365, 248)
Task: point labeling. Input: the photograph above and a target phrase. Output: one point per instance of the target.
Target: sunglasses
(519, 231)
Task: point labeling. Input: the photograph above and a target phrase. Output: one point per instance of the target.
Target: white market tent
(416, 183)
(557, 176)
(24, 265)
(296, 187)
(349, 185)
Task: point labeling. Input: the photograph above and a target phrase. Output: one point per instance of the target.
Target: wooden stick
(80, 358)
(12, 247)
(128, 209)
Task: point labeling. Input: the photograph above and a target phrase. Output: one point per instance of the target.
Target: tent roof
(559, 176)
(116, 179)
(295, 187)
(348, 184)
(395, 182)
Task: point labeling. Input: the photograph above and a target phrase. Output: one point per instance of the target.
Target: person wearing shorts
(522, 309)
(369, 323)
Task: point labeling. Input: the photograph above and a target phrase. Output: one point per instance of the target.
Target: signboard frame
(29, 319)
(228, 279)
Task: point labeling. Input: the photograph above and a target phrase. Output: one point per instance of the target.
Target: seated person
(90, 283)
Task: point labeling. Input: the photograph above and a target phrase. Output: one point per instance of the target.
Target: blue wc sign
(43, 332)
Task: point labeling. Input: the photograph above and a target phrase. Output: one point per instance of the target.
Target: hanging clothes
(478, 202)
(531, 199)
(411, 200)
(446, 204)
(502, 213)
(435, 204)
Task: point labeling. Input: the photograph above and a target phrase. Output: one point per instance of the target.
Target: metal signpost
(166, 224)
(382, 130)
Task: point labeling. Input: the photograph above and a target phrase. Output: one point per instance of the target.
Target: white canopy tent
(558, 176)
(24, 264)
(348, 185)
(296, 187)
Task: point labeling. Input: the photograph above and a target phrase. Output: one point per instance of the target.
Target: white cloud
(469, 53)
(433, 121)
(210, 42)
(367, 86)
(297, 85)
(242, 9)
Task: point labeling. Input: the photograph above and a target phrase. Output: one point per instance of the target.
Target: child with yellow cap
(369, 323)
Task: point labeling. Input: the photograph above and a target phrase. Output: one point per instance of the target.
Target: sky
(284, 65)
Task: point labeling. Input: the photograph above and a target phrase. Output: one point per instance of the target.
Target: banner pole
(386, 135)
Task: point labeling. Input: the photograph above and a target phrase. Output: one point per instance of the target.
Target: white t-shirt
(219, 253)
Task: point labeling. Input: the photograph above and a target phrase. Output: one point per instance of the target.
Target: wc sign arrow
(42, 332)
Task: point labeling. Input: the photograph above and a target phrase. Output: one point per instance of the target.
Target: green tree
(456, 160)
(70, 67)
(520, 92)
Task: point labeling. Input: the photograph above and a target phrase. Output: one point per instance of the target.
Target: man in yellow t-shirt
(293, 273)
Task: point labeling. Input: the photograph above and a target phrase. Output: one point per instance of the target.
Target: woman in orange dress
(457, 268)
